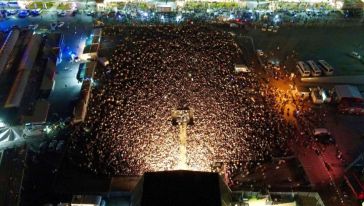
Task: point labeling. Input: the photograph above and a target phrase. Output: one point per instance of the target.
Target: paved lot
(333, 44)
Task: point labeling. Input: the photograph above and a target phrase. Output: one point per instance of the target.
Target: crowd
(128, 129)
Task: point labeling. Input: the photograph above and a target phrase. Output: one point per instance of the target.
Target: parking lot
(315, 43)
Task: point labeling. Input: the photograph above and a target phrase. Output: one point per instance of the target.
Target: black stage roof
(180, 188)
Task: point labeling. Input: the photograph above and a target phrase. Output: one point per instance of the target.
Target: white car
(264, 27)
(53, 26)
(275, 29)
(270, 28)
(90, 13)
(60, 24)
(36, 12)
(32, 26)
(61, 13)
(356, 55)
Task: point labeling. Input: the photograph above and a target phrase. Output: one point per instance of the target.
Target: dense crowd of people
(128, 129)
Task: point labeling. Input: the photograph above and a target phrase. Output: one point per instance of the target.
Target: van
(326, 67)
(316, 71)
(303, 69)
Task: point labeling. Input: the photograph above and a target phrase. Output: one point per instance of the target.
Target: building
(7, 48)
(90, 69)
(48, 79)
(181, 188)
(80, 110)
(53, 47)
(30, 53)
(177, 188)
(24, 70)
(90, 52)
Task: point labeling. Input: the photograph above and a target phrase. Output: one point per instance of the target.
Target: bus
(316, 72)
(326, 67)
(303, 68)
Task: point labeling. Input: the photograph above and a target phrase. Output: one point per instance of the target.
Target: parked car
(270, 28)
(12, 12)
(60, 24)
(61, 13)
(275, 29)
(53, 26)
(23, 13)
(35, 12)
(32, 26)
(264, 27)
(4, 13)
(356, 55)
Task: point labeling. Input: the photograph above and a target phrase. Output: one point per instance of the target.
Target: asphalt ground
(332, 43)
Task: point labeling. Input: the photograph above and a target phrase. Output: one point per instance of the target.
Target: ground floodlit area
(129, 130)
